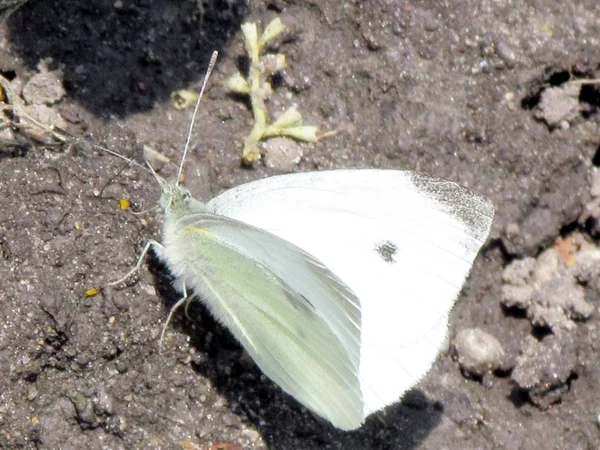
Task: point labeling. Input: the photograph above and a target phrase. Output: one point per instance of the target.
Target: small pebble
(559, 104)
(282, 154)
(478, 352)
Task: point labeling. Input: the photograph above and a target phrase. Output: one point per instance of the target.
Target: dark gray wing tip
(475, 211)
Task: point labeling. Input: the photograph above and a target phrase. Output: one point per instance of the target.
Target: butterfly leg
(150, 243)
(180, 302)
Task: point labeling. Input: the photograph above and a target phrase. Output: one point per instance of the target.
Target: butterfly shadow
(281, 420)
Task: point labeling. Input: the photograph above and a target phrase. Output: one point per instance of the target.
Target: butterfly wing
(270, 294)
(403, 242)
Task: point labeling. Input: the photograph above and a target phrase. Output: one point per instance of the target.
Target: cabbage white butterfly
(338, 283)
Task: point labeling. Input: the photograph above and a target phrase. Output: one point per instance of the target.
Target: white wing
(403, 242)
(295, 318)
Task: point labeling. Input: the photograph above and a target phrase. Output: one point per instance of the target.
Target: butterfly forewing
(404, 243)
(297, 320)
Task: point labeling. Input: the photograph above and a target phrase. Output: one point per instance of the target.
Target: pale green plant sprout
(257, 87)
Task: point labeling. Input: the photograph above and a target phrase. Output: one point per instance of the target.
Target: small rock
(251, 435)
(548, 290)
(506, 53)
(282, 154)
(83, 407)
(104, 403)
(544, 368)
(44, 88)
(587, 265)
(519, 272)
(559, 104)
(595, 189)
(478, 352)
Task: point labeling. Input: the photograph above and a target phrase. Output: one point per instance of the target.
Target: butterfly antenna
(156, 176)
(211, 65)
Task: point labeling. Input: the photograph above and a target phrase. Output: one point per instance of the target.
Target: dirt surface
(473, 92)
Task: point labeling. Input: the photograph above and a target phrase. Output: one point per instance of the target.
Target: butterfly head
(175, 200)
(178, 201)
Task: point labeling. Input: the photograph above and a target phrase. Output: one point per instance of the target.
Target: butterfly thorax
(176, 201)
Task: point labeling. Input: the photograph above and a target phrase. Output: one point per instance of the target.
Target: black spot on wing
(387, 251)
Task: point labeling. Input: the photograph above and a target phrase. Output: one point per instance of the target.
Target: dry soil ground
(472, 90)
